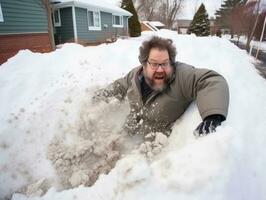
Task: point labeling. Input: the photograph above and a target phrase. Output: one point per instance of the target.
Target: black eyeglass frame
(157, 65)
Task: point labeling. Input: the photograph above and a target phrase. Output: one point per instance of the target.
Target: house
(151, 25)
(183, 25)
(23, 25)
(88, 21)
(214, 28)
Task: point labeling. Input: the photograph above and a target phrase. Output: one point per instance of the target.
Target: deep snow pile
(50, 129)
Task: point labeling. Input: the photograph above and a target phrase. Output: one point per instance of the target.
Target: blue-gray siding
(65, 33)
(23, 16)
(107, 29)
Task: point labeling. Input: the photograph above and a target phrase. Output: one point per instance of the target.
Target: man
(160, 90)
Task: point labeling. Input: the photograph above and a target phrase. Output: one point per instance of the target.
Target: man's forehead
(159, 54)
(158, 49)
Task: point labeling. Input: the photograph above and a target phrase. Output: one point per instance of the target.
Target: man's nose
(160, 69)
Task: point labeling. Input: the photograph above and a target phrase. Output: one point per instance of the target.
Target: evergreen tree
(133, 22)
(200, 24)
(225, 14)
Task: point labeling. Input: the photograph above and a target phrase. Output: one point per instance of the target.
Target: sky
(189, 7)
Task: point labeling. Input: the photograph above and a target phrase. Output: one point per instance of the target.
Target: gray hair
(160, 43)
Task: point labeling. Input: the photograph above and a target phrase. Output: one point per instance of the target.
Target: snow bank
(243, 39)
(49, 128)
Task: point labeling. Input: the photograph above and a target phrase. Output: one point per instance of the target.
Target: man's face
(158, 71)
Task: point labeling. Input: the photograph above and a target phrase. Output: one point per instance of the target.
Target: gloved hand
(208, 125)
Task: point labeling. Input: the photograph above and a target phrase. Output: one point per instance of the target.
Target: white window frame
(121, 21)
(57, 24)
(1, 14)
(94, 28)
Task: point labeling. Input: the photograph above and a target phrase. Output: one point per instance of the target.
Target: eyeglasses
(156, 65)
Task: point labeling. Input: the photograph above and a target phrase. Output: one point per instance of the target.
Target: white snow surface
(45, 96)
(104, 5)
(243, 39)
(156, 23)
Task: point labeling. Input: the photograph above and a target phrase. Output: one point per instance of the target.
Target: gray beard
(150, 83)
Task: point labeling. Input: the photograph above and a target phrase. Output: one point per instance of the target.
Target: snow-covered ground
(52, 135)
(253, 43)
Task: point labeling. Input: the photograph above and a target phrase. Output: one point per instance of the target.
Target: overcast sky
(190, 6)
(188, 10)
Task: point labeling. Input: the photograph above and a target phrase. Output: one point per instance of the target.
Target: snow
(156, 23)
(45, 104)
(259, 45)
(103, 5)
(253, 43)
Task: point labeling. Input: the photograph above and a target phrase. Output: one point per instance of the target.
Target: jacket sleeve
(207, 87)
(117, 89)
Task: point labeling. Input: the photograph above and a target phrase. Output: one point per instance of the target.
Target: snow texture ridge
(89, 149)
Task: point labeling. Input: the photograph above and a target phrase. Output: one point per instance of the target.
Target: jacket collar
(139, 75)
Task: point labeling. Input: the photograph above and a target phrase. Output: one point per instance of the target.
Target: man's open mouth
(159, 76)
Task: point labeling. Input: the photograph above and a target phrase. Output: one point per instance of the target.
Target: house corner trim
(74, 24)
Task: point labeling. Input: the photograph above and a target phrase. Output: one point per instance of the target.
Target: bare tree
(168, 11)
(146, 9)
(248, 20)
(239, 21)
(47, 6)
(161, 10)
(250, 36)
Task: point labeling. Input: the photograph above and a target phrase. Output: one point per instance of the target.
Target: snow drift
(53, 138)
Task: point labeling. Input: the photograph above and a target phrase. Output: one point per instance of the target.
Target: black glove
(209, 125)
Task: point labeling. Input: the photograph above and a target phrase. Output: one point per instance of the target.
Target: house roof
(54, 1)
(153, 25)
(100, 5)
(183, 22)
(148, 25)
(156, 23)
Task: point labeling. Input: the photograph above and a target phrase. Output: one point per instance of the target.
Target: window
(57, 18)
(94, 20)
(117, 21)
(1, 15)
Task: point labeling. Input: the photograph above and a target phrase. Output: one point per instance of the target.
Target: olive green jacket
(162, 109)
